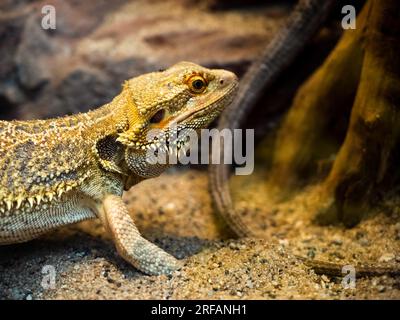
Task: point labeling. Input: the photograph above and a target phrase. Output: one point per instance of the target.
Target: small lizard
(305, 20)
(60, 171)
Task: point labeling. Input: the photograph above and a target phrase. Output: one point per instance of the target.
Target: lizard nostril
(221, 81)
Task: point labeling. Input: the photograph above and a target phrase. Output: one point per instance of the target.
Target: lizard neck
(102, 128)
(107, 120)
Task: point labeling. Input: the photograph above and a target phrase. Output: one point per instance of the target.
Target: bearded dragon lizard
(60, 171)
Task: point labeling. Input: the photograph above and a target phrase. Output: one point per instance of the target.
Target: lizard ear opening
(158, 116)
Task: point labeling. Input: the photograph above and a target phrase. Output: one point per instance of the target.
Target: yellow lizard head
(185, 96)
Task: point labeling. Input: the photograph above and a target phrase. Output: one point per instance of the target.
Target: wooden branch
(366, 157)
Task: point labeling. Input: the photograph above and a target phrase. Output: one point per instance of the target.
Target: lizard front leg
(130, 244)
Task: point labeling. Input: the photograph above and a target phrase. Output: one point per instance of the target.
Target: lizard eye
(158, 116)
(197, 84)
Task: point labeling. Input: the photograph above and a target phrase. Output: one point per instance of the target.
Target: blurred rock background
(96, 46)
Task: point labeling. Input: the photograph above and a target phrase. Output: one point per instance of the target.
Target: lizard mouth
(175, 138)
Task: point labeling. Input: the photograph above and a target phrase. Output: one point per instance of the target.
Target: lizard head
(185, 96)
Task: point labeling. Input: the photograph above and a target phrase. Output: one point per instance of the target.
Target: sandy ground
(175, 211)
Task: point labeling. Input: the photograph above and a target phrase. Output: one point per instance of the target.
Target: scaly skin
(362, 270)
(60, 171)
(303, 23)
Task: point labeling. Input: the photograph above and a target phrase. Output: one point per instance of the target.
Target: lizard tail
(338, 270)
(305, 20)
